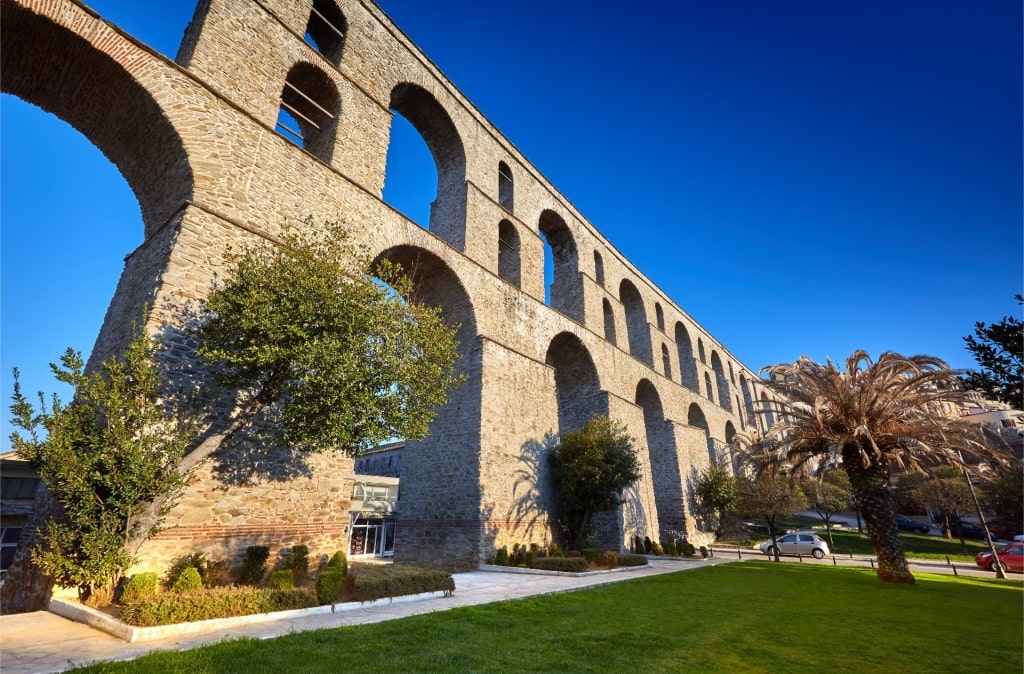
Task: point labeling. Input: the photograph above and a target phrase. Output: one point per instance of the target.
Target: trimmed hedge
(168, 609)
(570, 564)
(328, 586)
(139, 586)
(630, 559)
(281, 580)
(366, 583)
(188, 581)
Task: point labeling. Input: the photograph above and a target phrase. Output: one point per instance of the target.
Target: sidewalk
(42, 642)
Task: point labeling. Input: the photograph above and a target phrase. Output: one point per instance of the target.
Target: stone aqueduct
(197, 140)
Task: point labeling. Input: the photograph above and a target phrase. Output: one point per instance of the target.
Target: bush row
(221, 602)
(366, 583)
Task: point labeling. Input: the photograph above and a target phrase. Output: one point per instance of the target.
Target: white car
(798, 544)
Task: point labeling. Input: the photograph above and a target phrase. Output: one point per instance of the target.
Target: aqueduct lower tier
(276, 111)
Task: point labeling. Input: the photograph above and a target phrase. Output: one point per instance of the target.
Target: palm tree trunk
(878, 505)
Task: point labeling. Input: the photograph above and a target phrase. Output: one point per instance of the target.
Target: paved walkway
(42, 642)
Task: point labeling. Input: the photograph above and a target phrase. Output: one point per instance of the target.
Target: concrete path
(42, 642)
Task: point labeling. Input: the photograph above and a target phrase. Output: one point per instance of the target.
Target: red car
(1011, 556)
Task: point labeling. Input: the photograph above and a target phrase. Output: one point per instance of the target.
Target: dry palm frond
(888, 410)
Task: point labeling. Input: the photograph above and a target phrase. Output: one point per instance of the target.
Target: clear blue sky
(802, 177)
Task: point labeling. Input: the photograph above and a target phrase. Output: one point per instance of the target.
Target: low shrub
(528, 558)
(139, 586)
(689, 550)
(570, 564)
(329, 585)
(670, 549)
(380, 582)
(501, 557)
(573, 553)
(611, 558)
(188, 581)
(298, 563)
(255, 565)
(168, 609)
(554, 551)
(656, 549)
(590, 554)
(281, 580)
(703, 552)
(194, 559)
(630, 559)
(339, 562)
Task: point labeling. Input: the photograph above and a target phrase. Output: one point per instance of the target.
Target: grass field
(745, 617)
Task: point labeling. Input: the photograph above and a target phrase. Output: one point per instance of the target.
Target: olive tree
(590, 467)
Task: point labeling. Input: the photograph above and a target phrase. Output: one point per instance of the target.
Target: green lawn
(746, 617)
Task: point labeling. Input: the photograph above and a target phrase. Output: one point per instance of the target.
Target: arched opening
(579, 397)
(508, 253)
(724, 396)
(436, 522)
(666, 476)
(726, 455)
(748, 400)
(637, 328)
(700, 350)
(308, 115)
(766, 406)
(609, 320)
(506, 187)
(659, 316)
(598, 268)
(687, 365)
(709, 392)
(739, 409)
(84, 182)
(562, 285)
(695, 417)
(577, 386)
(326, 30)
(447, 212)
(666, 361)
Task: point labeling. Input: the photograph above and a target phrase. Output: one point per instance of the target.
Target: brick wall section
(200, 152)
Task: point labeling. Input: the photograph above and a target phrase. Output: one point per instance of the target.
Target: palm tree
(867, 418)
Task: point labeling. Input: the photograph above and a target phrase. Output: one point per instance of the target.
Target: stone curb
(103, 622)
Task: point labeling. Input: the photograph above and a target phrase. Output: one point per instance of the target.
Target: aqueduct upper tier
(278, 110)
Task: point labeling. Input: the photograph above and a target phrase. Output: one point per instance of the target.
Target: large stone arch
(695, 417)
(687, 363)
(435, 125)
(126, 123)
(577, 385)
(666, 472)
(440, 517)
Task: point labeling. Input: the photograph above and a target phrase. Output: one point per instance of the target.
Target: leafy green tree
(828, 494)
(1003, 496)
(104, 456)
(310, 347)
(999, 350)
(866, 417)
(316, 348)
(770, 495)
(946, 491)
(590, 468)
(717, 492)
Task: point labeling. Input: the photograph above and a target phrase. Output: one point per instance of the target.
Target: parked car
(1011, 557)
(969, 530)
(798, 544)
(907, 524)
